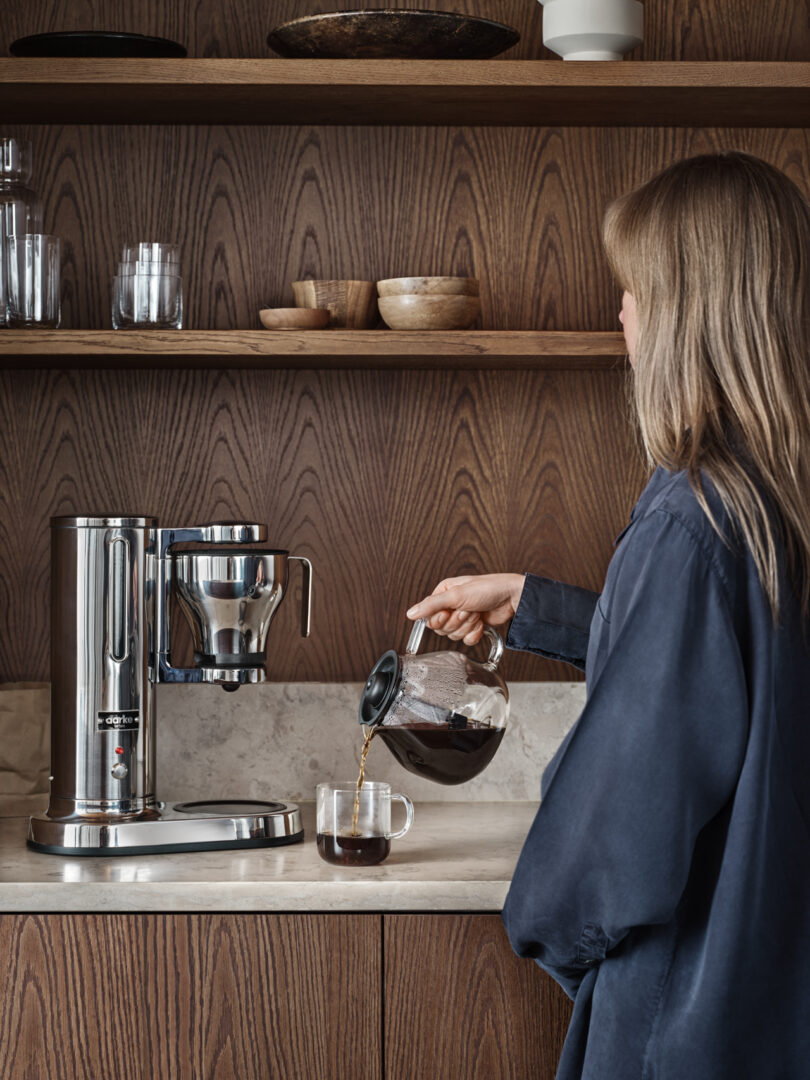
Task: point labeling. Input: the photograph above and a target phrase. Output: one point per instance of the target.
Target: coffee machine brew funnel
(229, 599)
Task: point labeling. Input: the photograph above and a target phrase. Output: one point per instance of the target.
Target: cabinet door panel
(125, 997)
(459, 1004)
(74, 997)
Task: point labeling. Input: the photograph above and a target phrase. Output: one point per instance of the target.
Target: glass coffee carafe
(442, 715)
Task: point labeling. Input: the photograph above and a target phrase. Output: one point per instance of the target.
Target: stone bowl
(429, 312)
(294, 318)
(392, 35)
(428, 286)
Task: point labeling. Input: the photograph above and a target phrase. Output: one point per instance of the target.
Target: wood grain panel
(674, 29)
(257, 208)
(388, 481)
(391, 480)
(74, 997)
(459, 1004)
(199, 997)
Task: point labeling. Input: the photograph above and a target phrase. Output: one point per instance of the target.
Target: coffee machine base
(192, 826)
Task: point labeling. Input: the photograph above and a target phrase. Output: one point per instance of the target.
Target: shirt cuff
(553, 620)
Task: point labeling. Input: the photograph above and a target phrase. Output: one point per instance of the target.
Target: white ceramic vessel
(592, 29)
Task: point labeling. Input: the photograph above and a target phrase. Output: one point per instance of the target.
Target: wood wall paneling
(389, 481)
(459, 1004)
(197, 997)
(257, 208)
(674, 29)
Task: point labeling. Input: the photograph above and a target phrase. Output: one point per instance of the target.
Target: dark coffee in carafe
(446, 754)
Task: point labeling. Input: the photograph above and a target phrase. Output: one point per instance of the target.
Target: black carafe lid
(380, 688)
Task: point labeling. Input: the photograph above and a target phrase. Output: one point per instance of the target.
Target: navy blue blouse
(665, 882)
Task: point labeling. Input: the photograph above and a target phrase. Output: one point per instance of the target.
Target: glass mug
(371, 842)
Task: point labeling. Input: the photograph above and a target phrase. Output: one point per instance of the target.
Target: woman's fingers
(449, 600)
(443, 622)
(463, 626)
(447, 624)
(436, 622)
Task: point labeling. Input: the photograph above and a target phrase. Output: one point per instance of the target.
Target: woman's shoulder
(672, 497)
(676, 493)
(670, 558)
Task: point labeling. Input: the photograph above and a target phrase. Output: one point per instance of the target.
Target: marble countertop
(457, 857)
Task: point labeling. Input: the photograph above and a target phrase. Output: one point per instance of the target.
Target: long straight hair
(715, 251)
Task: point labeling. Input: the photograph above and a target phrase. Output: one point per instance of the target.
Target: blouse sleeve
(654, 756)
(553, 620)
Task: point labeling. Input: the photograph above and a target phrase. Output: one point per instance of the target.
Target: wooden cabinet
(272, 997)
(460, 1005)
(187, 997)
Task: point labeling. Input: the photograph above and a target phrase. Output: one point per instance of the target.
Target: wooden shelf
(502, 92)
(345, 349)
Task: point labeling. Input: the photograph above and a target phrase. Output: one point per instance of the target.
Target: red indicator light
(119, 749)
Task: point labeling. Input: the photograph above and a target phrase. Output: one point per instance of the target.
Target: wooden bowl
(428, 286)
(293, 318)
(429, 312)
(351, 304)
(391, 35)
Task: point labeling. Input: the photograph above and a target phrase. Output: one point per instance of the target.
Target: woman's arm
(653, 758)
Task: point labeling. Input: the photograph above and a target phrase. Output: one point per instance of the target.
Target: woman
(665, 882)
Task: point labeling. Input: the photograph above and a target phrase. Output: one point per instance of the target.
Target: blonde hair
(715, 251)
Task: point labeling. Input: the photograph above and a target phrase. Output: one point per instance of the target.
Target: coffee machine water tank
(99, 665)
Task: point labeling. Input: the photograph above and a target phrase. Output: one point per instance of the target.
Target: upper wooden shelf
(347, 349)
(502, 92)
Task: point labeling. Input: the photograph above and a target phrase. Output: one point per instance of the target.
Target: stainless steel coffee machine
(112, 585)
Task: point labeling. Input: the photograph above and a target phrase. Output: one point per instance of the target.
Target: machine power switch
(119, 770)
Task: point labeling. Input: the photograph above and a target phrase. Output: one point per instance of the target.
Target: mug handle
(495, 643)
(406, 802)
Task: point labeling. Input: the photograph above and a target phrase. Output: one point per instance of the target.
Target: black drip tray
(231, 808)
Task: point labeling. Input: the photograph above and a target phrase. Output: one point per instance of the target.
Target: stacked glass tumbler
(148, 290)
(29, 259)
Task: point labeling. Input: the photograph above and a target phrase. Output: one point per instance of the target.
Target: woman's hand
(461, 607)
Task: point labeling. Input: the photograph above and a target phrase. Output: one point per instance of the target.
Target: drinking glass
(32, 272)
(370, 842)
(149, 252)
(128, 268)
(148, 302)
(20, 207)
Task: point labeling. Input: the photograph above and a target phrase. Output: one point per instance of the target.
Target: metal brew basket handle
(495, 643)
(306, 593)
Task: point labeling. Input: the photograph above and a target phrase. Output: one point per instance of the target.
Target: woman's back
(679, 913)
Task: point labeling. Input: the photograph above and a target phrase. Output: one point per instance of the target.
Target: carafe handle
(306, 593)
(495, 643)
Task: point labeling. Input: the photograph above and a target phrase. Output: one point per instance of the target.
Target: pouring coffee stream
(361, 777)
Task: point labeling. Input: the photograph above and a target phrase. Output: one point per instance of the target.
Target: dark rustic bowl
(392, 35)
